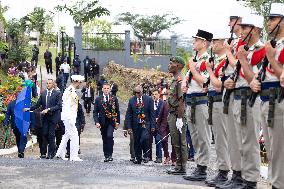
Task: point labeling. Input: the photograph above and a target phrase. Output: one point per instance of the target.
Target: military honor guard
(107, 118)
(269, 89)
(176, 118)
(197, 101)
(69, 116)
(215, 110)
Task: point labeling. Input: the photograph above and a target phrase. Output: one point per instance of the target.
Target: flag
(22, 119)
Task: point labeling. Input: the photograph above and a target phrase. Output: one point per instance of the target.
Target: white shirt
(65, 67)
(242, 82)
(48, 93)
(105, 99)
(88, 92)
(194, 87)
(269, 75)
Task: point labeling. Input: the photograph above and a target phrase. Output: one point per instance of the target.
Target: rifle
(190, 74)
(227, 60)
(235, 76)
(261, 76)
(211, 60)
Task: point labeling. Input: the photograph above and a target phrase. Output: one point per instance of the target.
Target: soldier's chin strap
(277, 27)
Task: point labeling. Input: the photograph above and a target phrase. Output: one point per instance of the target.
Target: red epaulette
(281, 57)
(257, 56)
(240, 43)
(221, 65)
(203, 66)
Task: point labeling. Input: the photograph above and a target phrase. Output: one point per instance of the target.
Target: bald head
(138, 91)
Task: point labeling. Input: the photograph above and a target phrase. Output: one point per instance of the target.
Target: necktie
(107, 98)
(47, 99)
(156, 103)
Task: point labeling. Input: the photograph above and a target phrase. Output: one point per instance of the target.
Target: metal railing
(153, 47)
(103, 41)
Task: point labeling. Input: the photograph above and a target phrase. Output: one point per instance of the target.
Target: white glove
(179, 124)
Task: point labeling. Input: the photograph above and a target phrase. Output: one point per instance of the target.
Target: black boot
(273, 187)
(236, 182)
(176, 171)
(21, 155)
(199, 174)
(249, 185)
(219, 179)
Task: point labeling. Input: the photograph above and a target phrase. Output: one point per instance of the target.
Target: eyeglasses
(137, 92)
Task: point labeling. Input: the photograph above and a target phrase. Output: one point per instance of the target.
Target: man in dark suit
(51, 102)
(87, 64)
(48, 61)
(107, 118)
(140, 120)
(88, 96)
(155, 134)
(113, 88)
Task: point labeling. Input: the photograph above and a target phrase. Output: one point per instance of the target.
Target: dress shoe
(176, 171)
(79, 151)
(59, 157)
(21, 155)
(167, 161)
(42, 156)
(67, 156)
(191, 159)
(273, 187)
(137, 161)
(76, 159)
(158, 161)
(106, 159)
(219, 179)
(199, 174)
(146, 160)
(131, 159)
(110, 158)
(50, 157)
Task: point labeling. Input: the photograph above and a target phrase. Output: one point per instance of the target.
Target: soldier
(196, 99)
(249, 56)
(215, 111)
(233, 133)
(176, 117)
(272, 115)
(69, 116)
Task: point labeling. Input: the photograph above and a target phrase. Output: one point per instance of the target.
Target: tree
(18, 41)
(3, 9)
(148, 27)
(82, 11)
(261, 7)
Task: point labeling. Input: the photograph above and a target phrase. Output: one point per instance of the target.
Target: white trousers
(72, 134)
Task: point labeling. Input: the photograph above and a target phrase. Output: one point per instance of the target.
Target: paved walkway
(33, 172)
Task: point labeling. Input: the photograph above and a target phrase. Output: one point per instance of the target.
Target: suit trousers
(157, 138)
(250, 151)
(48, 136)
(131, 146)
(107, 137)
(141, 142)
(200, 134)
(88, 104)
(48, 65)
(219, 130)
(20, 140)
(276, 139)
(72, 134)
(233, 137)
(178, 141)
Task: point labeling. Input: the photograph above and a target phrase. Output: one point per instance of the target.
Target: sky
(209, 15)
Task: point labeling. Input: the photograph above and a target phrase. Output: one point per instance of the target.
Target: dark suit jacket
(80, 120)
(84, 93)
(10, 115)
(131, 116)
(55, 105)
(99, 112)
(162, 122)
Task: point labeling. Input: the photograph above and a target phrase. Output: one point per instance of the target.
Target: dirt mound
(127, 78)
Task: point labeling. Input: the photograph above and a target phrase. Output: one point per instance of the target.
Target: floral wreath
(109, 108)
(140, 113)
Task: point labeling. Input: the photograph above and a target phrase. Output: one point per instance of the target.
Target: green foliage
(82, 11)
(3, 9)
(98, 26)
(19, 47)
(148, 27)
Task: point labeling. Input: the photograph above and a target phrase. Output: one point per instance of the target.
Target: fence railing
(103, 41)
(153, 47)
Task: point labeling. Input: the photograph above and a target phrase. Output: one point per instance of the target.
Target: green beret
(178, 59)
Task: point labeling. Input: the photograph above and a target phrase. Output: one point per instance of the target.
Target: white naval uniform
(69, 116)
